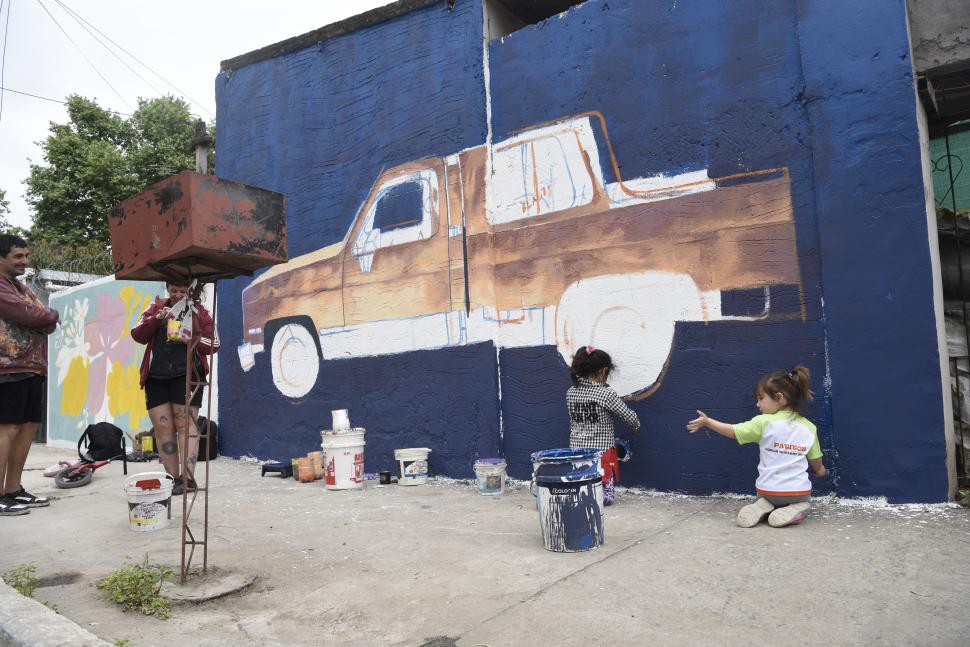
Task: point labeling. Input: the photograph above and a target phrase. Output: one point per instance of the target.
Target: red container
(197, 226)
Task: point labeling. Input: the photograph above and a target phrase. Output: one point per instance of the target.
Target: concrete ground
(441, 565)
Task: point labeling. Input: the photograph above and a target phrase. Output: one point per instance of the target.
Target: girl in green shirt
(788, 446)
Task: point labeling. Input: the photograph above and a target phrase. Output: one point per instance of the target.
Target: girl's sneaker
(609, 492)
(790, 515)
(8, 508)
(751, 515)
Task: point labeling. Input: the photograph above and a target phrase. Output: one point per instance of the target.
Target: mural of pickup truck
(530, 241)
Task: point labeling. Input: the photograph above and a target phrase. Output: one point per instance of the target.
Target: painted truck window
(400, 206)
(541, 175)
(399, 226)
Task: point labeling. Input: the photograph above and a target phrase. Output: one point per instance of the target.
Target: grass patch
(137, 587)
(23, 579)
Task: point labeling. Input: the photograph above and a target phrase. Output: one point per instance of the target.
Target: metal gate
(947, 99)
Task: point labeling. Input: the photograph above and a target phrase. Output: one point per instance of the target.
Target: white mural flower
(70, 343)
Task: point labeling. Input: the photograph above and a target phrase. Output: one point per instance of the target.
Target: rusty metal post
(194, 382)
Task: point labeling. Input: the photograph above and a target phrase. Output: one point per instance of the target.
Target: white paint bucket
(341, 421)
(343, 459)
(149, 500)
(412, 465)
(490, 473)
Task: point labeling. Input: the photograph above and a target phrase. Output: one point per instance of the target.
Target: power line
(109, 50)
(97, 71)
(37, 96)
(135, 58)
(3, 58)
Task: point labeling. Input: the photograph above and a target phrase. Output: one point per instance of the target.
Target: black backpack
(210, 449)
(104, 442)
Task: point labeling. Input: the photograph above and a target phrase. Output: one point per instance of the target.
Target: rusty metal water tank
(197, 226)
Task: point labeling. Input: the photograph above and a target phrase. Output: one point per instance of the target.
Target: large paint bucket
(569, 496)
(343, 459)
(412, 465)
(490, 474)
(149, 500)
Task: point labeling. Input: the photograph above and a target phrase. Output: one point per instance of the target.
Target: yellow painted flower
(135, 304)
(125, 395)
(74, 390)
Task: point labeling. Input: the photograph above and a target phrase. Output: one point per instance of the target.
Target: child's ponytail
(587, 361)
(792, 384)
(800, 375)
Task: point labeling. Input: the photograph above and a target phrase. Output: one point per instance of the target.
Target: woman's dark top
(168, 357)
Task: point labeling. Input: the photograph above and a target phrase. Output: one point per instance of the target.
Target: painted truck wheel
(630, 316)
(294, 360)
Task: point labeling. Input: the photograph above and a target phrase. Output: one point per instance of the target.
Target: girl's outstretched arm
(701, 421)
(615, 404)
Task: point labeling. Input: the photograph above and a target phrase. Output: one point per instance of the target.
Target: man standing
(24, 326)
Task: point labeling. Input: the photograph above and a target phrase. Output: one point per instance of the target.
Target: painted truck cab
(529, 241)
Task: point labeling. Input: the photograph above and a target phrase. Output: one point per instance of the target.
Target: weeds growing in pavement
(23, 578)
(137, 587)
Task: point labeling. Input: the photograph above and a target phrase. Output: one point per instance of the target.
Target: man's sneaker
(9, 508)
(25, 498)
(790, 515)
(751, 515)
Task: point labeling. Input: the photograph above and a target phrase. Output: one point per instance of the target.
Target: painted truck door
(396, 261)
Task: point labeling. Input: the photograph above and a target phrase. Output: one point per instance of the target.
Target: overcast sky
(180, 40)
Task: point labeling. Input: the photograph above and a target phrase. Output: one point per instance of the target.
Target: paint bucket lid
(567, 465)
(341, 432)
(417, 453)
(490, 461)
(567, 455)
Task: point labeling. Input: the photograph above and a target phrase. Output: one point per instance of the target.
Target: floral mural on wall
(93, 362)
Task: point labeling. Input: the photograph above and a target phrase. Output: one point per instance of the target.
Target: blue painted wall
(822, 88)
(319, 125)
(682, 87)
(877, 281)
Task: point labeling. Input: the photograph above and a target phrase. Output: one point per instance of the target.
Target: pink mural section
(93, 362)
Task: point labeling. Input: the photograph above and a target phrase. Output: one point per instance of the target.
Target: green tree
(98, 159)
(4, 210)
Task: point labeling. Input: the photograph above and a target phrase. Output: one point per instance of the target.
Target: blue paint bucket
(568, 485)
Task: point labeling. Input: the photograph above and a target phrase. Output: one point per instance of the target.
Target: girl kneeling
(788, 446)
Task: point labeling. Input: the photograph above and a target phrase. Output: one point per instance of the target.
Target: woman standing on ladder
(163, 372)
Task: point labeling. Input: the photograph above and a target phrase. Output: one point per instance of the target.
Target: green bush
(137, 587)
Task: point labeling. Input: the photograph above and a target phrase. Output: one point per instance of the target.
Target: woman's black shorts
(168, 390)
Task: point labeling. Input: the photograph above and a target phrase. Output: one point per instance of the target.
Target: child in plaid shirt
(592, 405)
